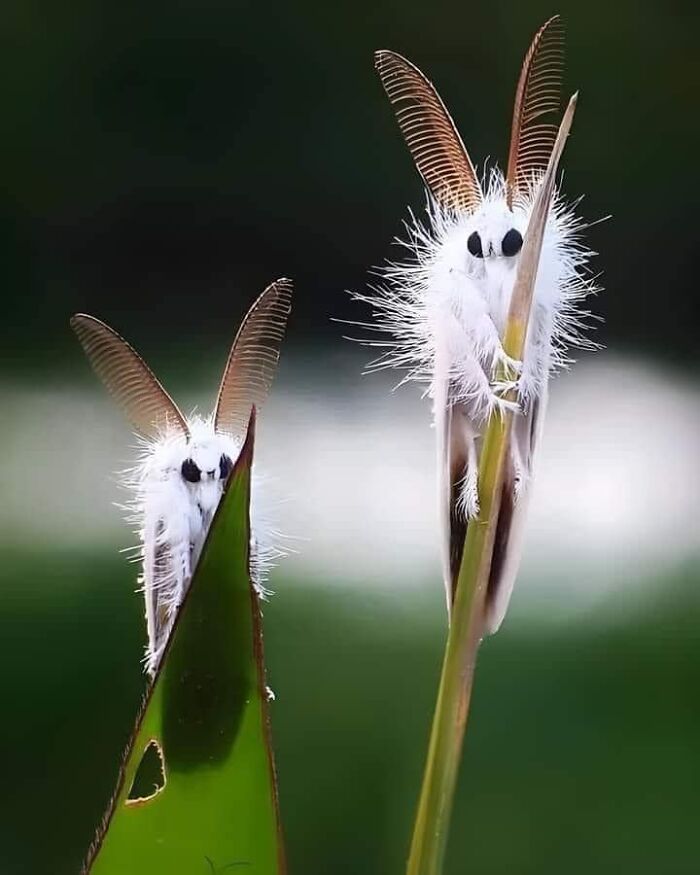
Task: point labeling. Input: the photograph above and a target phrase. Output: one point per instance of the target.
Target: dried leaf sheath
(527, 429)
(128, 378)
(431, 135)
(253, 359)
(537, 106)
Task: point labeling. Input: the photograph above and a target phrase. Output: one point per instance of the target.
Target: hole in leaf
(149, 779)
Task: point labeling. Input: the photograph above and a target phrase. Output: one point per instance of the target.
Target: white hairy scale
(446, 309)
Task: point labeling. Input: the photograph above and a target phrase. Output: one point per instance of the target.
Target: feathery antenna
(432, 138)
(253, 358)
(128, 378)
(537, 97)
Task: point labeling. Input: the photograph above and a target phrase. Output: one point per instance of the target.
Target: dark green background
(161, 162)
(159, 158)
(582, 753)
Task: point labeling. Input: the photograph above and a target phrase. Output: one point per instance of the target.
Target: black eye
(190, 471)
(512, 243)
(474, 245)
(225, 465)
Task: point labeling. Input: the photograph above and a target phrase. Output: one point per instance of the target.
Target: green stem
(445, 751)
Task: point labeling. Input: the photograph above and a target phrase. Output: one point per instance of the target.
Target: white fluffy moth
(185, 461)
(446, 306)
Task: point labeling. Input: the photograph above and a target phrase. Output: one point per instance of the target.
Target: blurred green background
(162, 162)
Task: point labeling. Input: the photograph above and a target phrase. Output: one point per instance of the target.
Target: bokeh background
(161, 163)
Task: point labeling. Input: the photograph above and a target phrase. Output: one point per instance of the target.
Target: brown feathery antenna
(128, 378)
(252, 361)
(538, 95)
(431, 135)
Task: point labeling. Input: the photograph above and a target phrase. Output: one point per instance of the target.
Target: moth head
(495, 233)
(206, 462)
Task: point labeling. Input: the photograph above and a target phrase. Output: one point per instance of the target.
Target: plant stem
(445, 751)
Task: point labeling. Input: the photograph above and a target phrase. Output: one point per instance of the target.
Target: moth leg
(495, 361)
(500, 405)
(502, 387)
(490, 350)
(472, 345)
(506, 372)
(502, 360)
(479, 395)
(487, 343)
(498, 368)
(476, 391)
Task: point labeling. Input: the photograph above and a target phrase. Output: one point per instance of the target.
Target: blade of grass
(431, 828)
(197, 791)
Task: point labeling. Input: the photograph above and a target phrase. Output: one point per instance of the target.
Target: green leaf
(197, 792)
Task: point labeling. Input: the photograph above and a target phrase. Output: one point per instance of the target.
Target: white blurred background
(351, 463)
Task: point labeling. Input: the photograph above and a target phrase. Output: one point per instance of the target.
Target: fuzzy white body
(447, 309)
(172, 518)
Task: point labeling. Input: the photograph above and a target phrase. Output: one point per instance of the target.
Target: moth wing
(128, 378)
(461, 465)
(252, 361)
(537, 107)
(456, 458)
(512, 515)
(431, 135)
(157, 563)
(442, 416)
(167, 560)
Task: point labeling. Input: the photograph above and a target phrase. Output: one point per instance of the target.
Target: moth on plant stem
(185, 462)
(447, 306)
